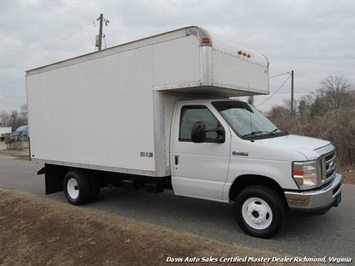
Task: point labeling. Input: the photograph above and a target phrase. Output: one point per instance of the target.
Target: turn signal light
(298, 173)
(206, 40)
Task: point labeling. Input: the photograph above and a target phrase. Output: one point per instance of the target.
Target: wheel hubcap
(73, 188)
(257, 213)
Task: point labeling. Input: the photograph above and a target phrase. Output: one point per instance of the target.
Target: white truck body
(164, 104)
(128, 92)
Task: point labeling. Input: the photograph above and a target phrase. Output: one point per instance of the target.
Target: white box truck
(169, 122)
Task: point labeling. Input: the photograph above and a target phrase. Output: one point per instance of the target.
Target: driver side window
(192, 114)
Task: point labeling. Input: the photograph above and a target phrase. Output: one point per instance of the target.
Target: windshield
(246, 121)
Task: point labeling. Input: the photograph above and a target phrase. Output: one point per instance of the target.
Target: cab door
(199, 170)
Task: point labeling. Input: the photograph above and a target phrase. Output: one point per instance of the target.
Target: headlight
(305, 174)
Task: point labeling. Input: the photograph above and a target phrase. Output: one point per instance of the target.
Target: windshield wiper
(273, 132)
(281, 131)
(255, 133)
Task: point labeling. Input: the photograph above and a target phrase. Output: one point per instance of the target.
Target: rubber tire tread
(84, 187)
(275, 202)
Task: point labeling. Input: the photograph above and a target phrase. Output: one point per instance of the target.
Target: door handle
(177, 161)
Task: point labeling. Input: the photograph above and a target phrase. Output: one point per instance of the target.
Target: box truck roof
(190, 59)
(204, 37)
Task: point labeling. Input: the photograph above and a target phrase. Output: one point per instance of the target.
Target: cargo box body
(111, 110)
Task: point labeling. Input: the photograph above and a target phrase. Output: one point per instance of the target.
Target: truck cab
(226, 150)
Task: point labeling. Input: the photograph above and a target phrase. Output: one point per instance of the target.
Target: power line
(13, 87)
(275, 91)
(13, 96)
(280, 75)
(59, 40)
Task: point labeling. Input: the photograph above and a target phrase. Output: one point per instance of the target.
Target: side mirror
(221, 135)
(198, 133)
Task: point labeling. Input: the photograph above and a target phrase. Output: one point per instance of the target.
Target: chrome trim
(328, 166)
(240, 153)
(317, 198)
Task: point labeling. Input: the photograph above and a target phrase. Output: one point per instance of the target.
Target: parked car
(20, 133)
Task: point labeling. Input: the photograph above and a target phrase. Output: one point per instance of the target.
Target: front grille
(328, 166)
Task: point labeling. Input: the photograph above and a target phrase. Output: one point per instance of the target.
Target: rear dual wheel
(80, 188)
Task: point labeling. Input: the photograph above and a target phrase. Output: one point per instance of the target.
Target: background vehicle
(164, 103)
(20, 134)
(4, 131)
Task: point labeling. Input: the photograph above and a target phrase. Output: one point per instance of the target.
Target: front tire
(77, 188)
(260, 211)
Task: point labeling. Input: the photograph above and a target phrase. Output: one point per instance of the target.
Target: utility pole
(99, 37)
(99, 44)
(292, 93)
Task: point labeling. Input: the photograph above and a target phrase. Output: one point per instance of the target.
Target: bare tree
(337, 92)
(24, 113)
(327, 113)
(14, 118)
(24, 110)
(4, 118)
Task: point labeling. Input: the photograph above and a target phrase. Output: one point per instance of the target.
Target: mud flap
(54, 178)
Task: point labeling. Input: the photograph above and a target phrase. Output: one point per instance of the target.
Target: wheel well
(244, 181)
(54, 176)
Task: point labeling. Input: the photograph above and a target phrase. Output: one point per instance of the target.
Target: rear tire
(77, 188)
(260, 211)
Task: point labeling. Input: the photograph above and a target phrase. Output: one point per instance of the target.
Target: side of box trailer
(112, 110)
(99, 112)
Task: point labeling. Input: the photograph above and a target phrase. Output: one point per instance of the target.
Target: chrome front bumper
(318, 199)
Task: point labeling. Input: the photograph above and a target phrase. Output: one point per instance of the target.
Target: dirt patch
(38, 231)
(348, 173)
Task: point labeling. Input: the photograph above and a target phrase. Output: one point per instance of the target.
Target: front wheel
(260, 211)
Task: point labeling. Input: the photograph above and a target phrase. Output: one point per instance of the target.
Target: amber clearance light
(240, 52)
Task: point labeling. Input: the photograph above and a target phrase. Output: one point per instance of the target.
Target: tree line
(14, 118)
(327, 113)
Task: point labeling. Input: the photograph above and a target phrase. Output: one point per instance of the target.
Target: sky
(316, 39)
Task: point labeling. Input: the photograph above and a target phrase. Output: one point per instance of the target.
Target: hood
(311, 148)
